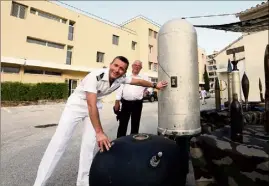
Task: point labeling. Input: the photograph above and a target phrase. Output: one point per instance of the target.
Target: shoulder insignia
(99, 77)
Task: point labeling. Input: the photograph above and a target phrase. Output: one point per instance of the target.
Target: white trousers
(71, 116)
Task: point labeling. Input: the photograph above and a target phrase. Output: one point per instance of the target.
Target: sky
(163, 11)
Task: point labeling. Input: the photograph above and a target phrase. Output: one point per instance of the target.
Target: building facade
(201, 65)
(44, 42)
(254, 44)
(211, 70)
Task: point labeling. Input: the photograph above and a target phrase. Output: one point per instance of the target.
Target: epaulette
(99, 77)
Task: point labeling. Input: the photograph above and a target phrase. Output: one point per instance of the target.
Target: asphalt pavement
(27, 130)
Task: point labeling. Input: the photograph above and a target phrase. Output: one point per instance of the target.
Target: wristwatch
(154, 85)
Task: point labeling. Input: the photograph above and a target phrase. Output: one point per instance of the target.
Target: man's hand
(161, 84)
(102, 141)
(117, 106)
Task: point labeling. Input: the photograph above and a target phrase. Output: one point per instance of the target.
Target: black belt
(132, 101)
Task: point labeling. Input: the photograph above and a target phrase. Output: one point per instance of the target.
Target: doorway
(72, 84)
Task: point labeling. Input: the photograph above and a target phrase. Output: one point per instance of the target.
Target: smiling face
(137, 66)
(117, 69)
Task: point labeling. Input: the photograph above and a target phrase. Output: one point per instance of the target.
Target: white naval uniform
(75, 111)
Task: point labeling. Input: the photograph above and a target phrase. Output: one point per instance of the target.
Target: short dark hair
(123, 59)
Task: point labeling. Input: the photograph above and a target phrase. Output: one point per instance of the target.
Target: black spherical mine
(138, 160)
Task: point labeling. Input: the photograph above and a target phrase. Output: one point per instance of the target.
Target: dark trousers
(184, 144)
(129, 109)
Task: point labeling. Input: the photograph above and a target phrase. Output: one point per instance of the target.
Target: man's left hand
(161, 84)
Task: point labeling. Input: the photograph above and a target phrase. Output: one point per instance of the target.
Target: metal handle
(155, 160)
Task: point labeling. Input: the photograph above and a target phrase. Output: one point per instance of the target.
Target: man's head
(118, 67)
(136, 67)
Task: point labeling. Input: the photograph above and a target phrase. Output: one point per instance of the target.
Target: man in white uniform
(131, 97)
(203, 95)
(83, 105)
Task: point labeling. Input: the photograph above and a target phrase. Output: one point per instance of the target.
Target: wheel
(151, 99)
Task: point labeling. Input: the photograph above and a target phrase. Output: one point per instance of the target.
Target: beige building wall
(253, 65)
(255, 45)
(221, 59)
(35, 45)
(147, 32)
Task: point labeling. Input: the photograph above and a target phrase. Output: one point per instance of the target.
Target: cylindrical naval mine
(236, 82)
(230, 92)
(178, 103)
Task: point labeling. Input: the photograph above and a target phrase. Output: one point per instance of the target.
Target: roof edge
(235, 41)
(253, 9)
(141, 17)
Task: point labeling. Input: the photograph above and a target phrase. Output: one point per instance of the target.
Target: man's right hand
(102, 141)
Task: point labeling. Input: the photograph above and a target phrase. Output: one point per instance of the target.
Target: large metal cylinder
(178, 103)
(236, 85)
(230, 82)
(138, 160)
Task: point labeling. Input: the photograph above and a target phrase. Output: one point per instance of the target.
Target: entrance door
(72, 84)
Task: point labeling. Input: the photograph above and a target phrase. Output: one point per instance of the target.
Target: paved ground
(23, 145)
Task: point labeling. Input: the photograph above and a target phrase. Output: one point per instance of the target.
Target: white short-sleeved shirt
(98, 82)
(132, 92)
(203, 93)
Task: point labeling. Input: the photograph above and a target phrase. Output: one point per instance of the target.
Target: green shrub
(15, 91)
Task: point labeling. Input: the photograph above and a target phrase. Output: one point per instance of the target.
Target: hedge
(16, 91)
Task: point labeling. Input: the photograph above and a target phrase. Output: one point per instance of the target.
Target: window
(45, 43)
(155, 67)
(150, 32)
(33, 11)
(18, 10)
(47, 15)
(150, 48)
(51, 73)
(71, 30)
(100, 57)
(36, 41)
(69, 55)
(37, 71)
(55, 45)
(115, 40)
(210, 68)
(14, 70)
(154, 80)
(133, 45)
(150, 65)
(33, 71)
(155, 34)
(211, 74)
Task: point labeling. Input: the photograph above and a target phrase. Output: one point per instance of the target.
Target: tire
(151, 99)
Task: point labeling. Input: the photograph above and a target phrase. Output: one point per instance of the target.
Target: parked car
(151, 96)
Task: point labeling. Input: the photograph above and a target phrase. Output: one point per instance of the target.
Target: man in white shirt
(131, 97)
(83, 105)
(203, 95)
